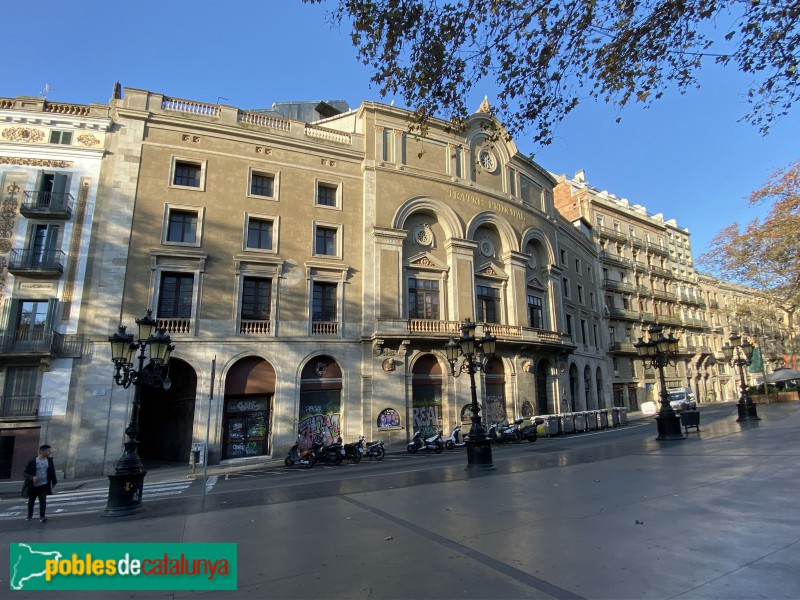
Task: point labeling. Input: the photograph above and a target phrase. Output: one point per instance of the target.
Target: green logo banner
(122, 566)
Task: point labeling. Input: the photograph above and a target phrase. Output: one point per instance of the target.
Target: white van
(682, 398)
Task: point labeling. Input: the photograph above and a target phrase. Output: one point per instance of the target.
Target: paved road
(604, 516)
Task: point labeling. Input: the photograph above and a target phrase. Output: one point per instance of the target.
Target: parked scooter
(304, 458)
(454, 440)
(374, 450)
(431, 444)
(332, 453)
(509, 432)
(354, 450)
(530, 432)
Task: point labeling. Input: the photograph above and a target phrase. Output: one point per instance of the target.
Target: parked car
(682, 398)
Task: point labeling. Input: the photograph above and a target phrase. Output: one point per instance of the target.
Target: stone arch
(444, 215)
(504, 230)
(248, 407)
(540, 241)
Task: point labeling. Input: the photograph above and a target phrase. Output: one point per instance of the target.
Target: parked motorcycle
(304, 458)
(530, 432)
(374, 450)
(509, 432)
(454, 440)
(354, 450)
(421, 444)
(332, 454)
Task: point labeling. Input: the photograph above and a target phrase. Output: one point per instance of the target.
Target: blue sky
(687, 156)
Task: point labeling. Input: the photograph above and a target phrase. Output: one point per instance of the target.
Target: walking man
(41, 473)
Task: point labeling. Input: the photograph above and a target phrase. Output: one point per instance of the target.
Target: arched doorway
(541, 387)
(249, 392)
(426, 395)
(166, 418)
(587, 388)
(495, 379)
(320, 411)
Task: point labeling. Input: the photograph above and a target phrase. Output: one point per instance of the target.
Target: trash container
(613, 416)
(690, 418)
(623, 415)
(580, 421)
(602, 418)
(548, 425)
(567, 422)
(591, 419)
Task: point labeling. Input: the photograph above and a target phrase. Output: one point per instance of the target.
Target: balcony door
(43, 243)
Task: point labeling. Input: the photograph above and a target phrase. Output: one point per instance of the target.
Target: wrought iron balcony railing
(37, 262)
(49, 205)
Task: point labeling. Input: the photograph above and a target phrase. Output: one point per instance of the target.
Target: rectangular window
(565, 287)
(325, 241)
(182, 227)
(262, 185)
(596, 338)
(31, 320)
(323, 302)
(326, 194)
(259, 234)
(61, 137)
(535, 312)
(578, 266)
(256, 299)
(563, 257)
(584, 332)
(175, 296)
(488, 303)
(591, 300)
(423, 299)
(581, 299)
(570, 328)
(187, 174)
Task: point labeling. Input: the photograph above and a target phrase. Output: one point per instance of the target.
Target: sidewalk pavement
(713, 516)
(11, 488)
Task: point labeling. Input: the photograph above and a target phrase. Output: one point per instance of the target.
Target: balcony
(623, 313)
(255, 327)
(640, 266)
(612, 234)
(615, 259)
(637, 242)
(647, 317)
(324, 328)
(20, 407)
(41, 342)
(46, 205)
(669, 320)
(173, 325)
(661, 272)
(622, 347)
(37, 263)
(436, 331)
(664, 295)
(654, 248)
(618, 286)
(694, 323)
(643, 290)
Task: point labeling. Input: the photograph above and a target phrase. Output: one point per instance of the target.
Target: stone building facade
(50, 160)
(310, 262)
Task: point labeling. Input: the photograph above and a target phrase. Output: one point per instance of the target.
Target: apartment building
(50, 159)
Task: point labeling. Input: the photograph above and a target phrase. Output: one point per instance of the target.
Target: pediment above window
(533, 282)
(425, 262)
(179, 258)
(491, 271)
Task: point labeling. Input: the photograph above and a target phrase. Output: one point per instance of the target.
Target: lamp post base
(669, 428)
(125, 494)
(747, 412)
(479, 455)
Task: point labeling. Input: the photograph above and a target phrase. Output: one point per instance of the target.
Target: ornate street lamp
(125, 485)
(479, 450)
(740, 353)
(656, 352)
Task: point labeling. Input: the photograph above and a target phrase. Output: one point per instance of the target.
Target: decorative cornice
(35, 162)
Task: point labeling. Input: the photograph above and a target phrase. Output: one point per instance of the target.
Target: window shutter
(60, 183)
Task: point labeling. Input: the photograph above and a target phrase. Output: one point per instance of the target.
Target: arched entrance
(249, 393)
(541, 387)
(320, 412)
(573, 387)
(496, 409)
(166, 418)
(426, 395)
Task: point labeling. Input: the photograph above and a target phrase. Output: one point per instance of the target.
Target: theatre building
(310, 262)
